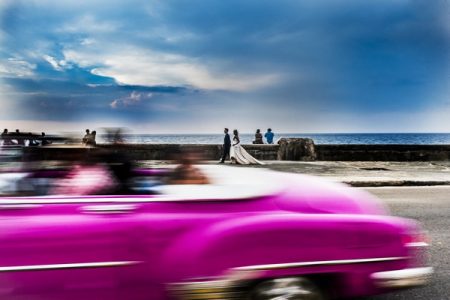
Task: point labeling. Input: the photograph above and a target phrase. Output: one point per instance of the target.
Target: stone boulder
(302, 149)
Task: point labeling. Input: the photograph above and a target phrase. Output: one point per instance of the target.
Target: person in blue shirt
(269, 136)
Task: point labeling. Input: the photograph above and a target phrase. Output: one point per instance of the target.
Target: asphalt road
(431, 207)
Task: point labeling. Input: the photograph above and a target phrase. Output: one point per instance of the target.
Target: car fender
(278, 238)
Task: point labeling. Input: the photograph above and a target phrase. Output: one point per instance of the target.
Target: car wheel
(290, 288)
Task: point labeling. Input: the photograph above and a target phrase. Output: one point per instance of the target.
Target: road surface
(431, 207)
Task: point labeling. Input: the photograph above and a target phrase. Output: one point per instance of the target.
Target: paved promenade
(371, 173)
(363, 174)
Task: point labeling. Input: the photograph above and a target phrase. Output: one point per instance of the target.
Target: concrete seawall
(383, 152)
(291, 150)
(145, 151)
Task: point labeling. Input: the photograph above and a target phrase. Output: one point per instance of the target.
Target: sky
(196, 66)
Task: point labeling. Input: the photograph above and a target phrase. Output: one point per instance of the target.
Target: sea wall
(383, 152)
(144, 151)
(288, 149)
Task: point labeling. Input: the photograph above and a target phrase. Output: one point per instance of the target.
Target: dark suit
(226, 147)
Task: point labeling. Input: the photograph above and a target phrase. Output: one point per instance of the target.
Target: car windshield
(224, 183)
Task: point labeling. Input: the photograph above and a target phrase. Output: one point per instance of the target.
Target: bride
(238, 154)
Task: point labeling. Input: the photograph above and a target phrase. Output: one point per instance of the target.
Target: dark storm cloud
(354, 57)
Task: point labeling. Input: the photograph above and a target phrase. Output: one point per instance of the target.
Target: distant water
(325, 138)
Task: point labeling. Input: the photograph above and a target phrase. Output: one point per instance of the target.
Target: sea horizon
(318, 138)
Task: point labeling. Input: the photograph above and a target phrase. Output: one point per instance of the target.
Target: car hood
(309, 194)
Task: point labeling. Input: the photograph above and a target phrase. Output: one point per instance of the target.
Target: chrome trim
(18, 206)
(111, 209)
(68, 266)
(70, 199)
(417, 245)
(402, 278)
(318, 263)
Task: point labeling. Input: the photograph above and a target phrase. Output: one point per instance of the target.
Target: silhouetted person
(6, 138)
(226, 146)
(31, 141)
(20, 140)
(44, 142)
(91, 139)
(117, 137)
(86, 136)
(269, 136)
(258, 137)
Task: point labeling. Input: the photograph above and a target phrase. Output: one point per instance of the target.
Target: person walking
(226, 146)
(239, 155)
(269, 136)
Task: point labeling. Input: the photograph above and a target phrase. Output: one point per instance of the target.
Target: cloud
(16, 67)
(88, 24)
(135, 66)
(133, 99)
(57, 65)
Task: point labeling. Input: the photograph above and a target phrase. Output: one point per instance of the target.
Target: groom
(226, 146)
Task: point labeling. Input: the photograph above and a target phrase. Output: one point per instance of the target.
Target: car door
(68, 248)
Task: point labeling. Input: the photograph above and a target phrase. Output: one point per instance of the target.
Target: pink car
(250, 234)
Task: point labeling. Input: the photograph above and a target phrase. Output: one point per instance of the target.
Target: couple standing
(237, 153)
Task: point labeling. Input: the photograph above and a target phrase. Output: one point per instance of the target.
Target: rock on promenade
(296, 149)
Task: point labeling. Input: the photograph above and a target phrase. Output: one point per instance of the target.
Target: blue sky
(198, 66)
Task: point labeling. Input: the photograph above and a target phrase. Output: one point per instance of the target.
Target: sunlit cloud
(134, 66)
(16, 67)
(133, 99)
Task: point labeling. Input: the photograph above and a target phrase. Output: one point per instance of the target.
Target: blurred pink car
(250, 234)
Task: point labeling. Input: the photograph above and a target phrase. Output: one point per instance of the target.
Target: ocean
(323, 138)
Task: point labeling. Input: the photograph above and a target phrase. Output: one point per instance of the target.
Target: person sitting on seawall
(19, 138)
(269, 136)
(91, 139)
(6, 138)
(258, 137)
(86, 136)
(44, 142)
(186, 172)
(31, 141)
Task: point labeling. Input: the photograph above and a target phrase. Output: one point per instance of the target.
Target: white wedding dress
(239, 156)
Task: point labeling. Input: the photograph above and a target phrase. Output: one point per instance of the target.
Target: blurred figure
(239, 155)
(114, 136)
(20, 140)
(6, 138)
(117, 138)
(269, 136)
(44, 142)
(186, 172)
(91, 139)
(86, 137)
(89, 177)
(226, 146)
(121, 167)
(31, 141)
(258, 137)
